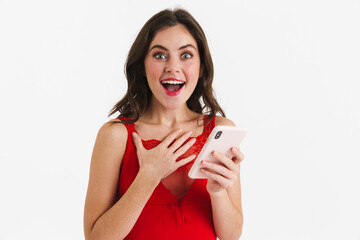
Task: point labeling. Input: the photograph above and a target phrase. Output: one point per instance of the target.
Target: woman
(138, 185)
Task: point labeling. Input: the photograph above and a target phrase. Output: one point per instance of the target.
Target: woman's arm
(103, 218)
(225, 192)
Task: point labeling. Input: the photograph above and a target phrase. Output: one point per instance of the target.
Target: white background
(286, 70)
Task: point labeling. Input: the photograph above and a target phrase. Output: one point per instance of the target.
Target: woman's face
(172, 66)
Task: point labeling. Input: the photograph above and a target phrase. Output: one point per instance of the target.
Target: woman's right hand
(160, 161)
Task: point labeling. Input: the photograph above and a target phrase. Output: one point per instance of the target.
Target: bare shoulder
(113, 130)
(110, 144)
(221, 121)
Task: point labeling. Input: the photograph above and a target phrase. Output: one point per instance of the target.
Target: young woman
(138, 185)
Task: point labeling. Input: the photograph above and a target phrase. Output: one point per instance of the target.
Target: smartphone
(221, 139)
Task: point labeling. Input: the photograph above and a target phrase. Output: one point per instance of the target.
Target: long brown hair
(138, 96)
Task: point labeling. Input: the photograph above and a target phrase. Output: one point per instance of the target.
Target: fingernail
(215, 153)
(189, 133)
(193, 140)
(134, 134)
(204, 163)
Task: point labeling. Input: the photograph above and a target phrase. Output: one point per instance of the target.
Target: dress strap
(209, 124)
(129, 126)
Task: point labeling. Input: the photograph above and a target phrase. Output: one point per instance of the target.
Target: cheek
(153, 70)
(193, 71)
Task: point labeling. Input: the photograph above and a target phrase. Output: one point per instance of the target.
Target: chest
(178, 183)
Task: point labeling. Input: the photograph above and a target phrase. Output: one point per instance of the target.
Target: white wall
(286, 70)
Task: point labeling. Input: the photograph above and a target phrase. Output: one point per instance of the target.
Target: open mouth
(172, 85)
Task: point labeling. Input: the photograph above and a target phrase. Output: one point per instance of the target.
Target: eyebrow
(165, 49)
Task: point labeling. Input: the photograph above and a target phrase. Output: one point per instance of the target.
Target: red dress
(164, 215)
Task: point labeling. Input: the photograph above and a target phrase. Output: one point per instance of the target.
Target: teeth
(172, 82)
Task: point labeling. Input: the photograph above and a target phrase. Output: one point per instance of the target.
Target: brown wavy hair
(138, 96)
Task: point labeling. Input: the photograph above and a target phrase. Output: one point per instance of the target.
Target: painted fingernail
(204, 163)
(193, 140)
(134, 135)
(189, 133)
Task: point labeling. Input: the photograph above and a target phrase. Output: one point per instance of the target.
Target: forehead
(173, 37)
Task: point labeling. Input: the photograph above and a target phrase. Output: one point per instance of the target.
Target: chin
(175, 104)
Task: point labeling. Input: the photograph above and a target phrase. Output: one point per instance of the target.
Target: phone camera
(218, 134)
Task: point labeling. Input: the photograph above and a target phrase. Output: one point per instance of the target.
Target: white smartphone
(221, 139)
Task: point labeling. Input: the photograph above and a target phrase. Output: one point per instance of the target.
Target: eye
(186, 55)
(159, 55)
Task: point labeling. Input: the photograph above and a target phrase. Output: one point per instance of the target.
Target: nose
(172, 66)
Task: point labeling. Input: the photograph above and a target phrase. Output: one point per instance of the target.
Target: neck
(158, 114)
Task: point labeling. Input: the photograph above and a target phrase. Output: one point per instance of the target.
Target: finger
(180, 141)
(184, 148)
(218, 169)
(184, 161)
(137, 141)
(224, 160)
(170, 138)
(239, 156)
(224, 182)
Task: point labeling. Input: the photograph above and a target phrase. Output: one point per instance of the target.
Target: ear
(201, 71)
(143, 72)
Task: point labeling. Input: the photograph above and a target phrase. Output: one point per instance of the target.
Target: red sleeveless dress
(165, 216)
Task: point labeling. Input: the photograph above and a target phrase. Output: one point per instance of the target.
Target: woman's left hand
(224, 173)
